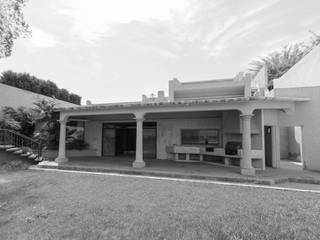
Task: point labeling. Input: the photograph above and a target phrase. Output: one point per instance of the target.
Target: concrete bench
(218, 152)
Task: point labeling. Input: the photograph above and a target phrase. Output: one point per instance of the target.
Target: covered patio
(233, 118)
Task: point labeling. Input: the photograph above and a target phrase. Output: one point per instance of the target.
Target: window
(75, 130)
(200, 136)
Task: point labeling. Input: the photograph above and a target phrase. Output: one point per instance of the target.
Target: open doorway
(119, 139)
(291, 148)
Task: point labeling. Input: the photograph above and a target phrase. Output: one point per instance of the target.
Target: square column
(139, 162)
(62, 142)
(246, 161)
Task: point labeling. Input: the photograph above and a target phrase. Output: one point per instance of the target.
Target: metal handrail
(10, 137)
(21, 135)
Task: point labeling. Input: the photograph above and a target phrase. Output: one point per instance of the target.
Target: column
(139, 163)
(62, 142)
(246, 161)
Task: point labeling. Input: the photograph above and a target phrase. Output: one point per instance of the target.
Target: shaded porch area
(192, 170)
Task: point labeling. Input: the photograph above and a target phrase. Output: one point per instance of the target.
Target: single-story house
(234, 122)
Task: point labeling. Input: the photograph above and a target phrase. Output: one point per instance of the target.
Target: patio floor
(196, 170)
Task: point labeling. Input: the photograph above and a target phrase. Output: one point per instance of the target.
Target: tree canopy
(12, 25)
(45, 87)
(279, 62)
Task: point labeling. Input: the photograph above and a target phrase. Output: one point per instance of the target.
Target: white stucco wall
(290, 140)
(16, 97)
(169, 131)
(307, 115)
(284, 143)
(232, 128)
(93, 135)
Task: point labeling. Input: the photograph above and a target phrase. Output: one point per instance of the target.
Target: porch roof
(129, 105)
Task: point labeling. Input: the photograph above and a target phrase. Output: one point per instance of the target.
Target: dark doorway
(119, 139)
(125, 141)
(268, 145)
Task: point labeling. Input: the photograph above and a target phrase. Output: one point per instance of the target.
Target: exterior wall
(208, 89)
(232, 128)
(307, 115)
(284, 143)
(16, 97)
(93, 136)
(271, 119)
(169, 131)
(290, 140)
(294, 143)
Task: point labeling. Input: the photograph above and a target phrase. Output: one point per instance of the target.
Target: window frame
(217, 130)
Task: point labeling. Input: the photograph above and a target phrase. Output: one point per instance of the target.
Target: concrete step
(33, 156)
(39, 159)
(18, 152)
(27, 154)
(13, 149)
(6, 146)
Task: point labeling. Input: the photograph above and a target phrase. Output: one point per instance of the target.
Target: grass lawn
(53, 205)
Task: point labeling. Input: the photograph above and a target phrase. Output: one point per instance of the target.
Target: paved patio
(195, 170)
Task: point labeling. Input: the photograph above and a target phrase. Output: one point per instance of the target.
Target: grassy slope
(48, 205)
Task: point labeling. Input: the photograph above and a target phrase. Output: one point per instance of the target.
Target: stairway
(20, 145)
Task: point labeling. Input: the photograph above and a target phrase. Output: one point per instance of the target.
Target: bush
(77, 144)
(15, 165)
(31, 83)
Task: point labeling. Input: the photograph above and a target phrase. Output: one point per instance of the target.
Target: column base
(138, 164)
(61, 159)
(248, 171)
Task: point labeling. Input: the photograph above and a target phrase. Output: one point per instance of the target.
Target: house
(232, 122)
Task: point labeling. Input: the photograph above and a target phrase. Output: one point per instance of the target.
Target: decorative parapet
(155, 99)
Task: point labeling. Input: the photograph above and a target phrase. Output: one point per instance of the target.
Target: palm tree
(21, 119)
(46, 121)
(279, 62)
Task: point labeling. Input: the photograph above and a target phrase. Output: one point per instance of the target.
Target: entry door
(109, 142)
(268, 145)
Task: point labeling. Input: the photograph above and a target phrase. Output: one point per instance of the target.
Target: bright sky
(116, 50)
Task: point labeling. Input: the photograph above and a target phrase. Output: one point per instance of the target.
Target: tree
(279, 62)
(47, 122)
(20, 119)
(12, 25)
(31, 83)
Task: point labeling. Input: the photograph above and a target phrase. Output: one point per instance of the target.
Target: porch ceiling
(244, 105)
(151, 116)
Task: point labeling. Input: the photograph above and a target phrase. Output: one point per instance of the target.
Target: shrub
(15, 165)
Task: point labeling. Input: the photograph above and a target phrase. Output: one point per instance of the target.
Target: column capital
(139, 119)
(139, 116)
(63, 121)
(246, 116)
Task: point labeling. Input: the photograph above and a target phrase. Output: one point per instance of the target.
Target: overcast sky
(116, 50)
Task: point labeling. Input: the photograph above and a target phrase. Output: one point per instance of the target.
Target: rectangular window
(75, 130)
(200, 136)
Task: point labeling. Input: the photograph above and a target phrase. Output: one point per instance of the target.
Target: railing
(27, 144)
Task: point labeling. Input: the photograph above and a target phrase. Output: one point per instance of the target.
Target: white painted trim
(275, 146)
(262, 141)
(302, 148)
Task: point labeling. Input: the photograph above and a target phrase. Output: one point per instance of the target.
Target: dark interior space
(119, 139)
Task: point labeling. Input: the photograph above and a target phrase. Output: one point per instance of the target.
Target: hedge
(33, 84)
